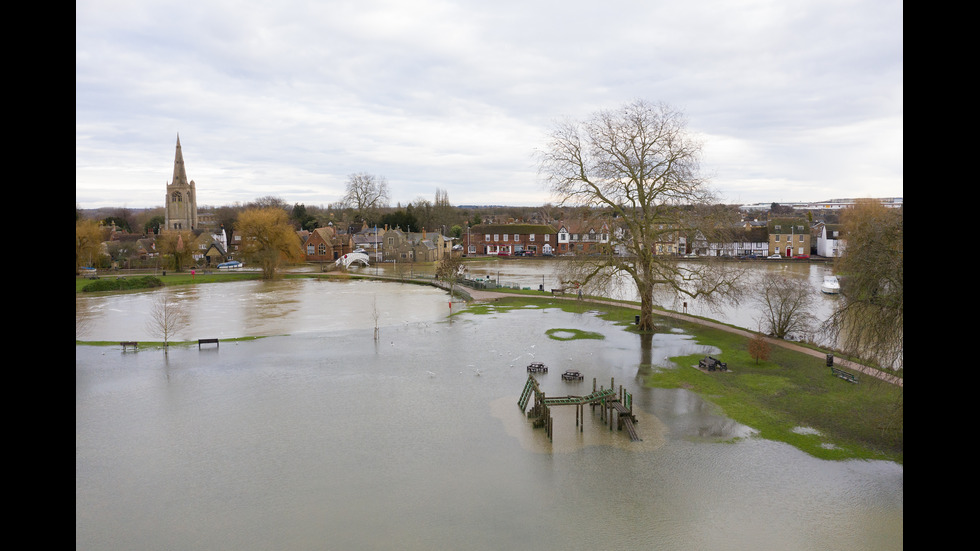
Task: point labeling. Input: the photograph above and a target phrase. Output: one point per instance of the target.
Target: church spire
(180, 176)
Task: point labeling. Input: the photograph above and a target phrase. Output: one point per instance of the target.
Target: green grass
(153, 345)
(776, 397)
(793, 390)
(564, 334)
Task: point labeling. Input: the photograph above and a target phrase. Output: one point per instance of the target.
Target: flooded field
(327, 438)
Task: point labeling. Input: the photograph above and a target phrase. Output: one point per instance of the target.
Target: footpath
(483, 295)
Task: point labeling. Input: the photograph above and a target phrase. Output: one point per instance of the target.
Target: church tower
(181, 198)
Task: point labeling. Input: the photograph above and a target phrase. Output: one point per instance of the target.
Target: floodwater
(538, 273)
(327, 438)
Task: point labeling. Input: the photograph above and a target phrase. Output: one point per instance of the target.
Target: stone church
(181, 198)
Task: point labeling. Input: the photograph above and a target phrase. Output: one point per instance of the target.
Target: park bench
(134, 344)
(559, 291)
(844, 374)
(207, 341)
(712, 364)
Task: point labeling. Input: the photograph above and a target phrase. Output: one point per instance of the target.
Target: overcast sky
(795, 100)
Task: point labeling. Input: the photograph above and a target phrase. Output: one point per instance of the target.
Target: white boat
(830, 285)
(231, 265)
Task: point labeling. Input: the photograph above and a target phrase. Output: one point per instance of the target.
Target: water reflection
(329, 438)
(260, 308)
(534, 273)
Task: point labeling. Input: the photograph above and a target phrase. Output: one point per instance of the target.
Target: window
(176, 197)
(309, 249)
(486, 237)
(801, 238)
(496, 237)
(530, 237)
(505, 237)
(517, 237)
(322, 249)
(547, 237)
(777, 239)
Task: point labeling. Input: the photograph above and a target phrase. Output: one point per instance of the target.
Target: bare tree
(785, 302)
(640, 168)
(366, 192)
(167, 317)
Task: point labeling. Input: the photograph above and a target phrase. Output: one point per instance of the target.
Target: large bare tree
(640, 167)
(366, 192)
(785, 301)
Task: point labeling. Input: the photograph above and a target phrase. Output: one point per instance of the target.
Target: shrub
(123, 284)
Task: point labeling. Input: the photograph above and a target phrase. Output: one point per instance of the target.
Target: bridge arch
(352, 258)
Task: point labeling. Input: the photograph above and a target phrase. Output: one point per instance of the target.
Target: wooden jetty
(610, 406)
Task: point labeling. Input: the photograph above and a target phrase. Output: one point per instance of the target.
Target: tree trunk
(646, 311)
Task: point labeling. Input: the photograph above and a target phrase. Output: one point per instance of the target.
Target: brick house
(326, 245)
(424, 246)
(789, 236)
(509, 239)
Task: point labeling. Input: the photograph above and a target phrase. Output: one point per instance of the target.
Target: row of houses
(380, 244)
(787, 237)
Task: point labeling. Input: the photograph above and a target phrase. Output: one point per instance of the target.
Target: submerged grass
(777, 397)
(153, 345)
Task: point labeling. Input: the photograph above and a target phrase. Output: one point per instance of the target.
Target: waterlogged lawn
(562, 334)
(791, 397)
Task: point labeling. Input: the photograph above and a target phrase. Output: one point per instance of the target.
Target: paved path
(482, 295)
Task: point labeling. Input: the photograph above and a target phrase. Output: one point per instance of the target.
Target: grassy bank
(179, 278)
(791, 398)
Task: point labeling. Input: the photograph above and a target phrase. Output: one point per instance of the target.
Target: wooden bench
(557, 292)
(844, 374)
(207, 341)
(134, 344)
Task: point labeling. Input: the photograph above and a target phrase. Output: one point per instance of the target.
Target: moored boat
(831, 285)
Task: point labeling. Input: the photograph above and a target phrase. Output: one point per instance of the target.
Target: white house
(831, 242)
